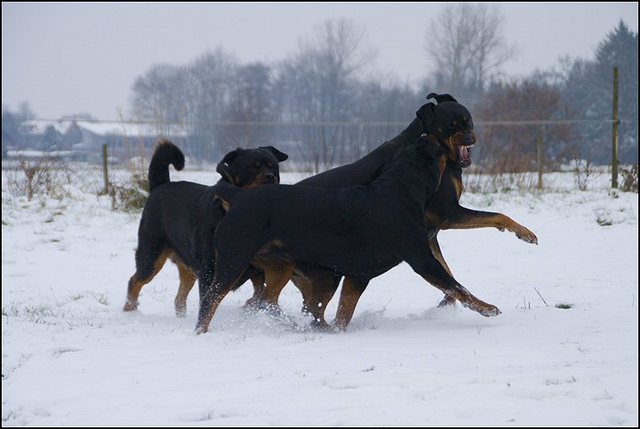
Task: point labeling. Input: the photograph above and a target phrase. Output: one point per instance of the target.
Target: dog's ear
(224, 167)
(441, 97)
(427, 114)
(280, 156)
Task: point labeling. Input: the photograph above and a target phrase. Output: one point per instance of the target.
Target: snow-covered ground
(71, 357)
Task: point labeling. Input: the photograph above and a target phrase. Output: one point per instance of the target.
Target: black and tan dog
(359, 231)
(452, 125)
(179, 218)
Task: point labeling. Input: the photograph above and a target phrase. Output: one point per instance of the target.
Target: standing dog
(452, 125)
(359, 231)
(179, 218)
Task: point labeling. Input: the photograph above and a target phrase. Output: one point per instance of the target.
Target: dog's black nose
(469, 139)
(270, 178)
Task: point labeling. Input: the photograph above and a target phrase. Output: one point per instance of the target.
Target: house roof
(105, 128)
(38, 126)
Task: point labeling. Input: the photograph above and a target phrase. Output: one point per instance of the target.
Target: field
(563, 352)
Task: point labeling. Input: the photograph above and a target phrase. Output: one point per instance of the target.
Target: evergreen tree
(620, 49)
(589, 89)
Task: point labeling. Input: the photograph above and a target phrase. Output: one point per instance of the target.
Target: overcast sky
(72, 58)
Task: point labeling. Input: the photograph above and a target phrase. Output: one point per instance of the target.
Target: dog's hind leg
(148, 264)
(317, 287)
(187, 280)
(230, 264)
(352, 289)
(258, 286)
(276, 277)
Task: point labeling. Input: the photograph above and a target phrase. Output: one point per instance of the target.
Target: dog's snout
(469, 139)
(270, 178)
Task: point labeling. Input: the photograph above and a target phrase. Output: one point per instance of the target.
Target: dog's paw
(490, 310)
(487, 310)
(130, 306)
(337, 327)
(321, 325)
(525, 235)
(251, 305)
(447, 301)
(201, 329)
(181, 309)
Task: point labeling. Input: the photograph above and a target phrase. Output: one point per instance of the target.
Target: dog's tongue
(464, 155)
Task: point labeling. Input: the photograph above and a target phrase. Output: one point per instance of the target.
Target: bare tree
(513, 148)
(209, 83)
(12, 135)
(466, 42)
(196, 95)
(251, 106)
(319, 87)
(156, 94)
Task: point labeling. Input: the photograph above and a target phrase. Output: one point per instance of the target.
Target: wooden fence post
(540, 161)
(105, 171)
(614, 132)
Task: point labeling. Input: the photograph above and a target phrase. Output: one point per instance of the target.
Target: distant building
(82, 140)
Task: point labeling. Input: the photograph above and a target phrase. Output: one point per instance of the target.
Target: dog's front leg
(463, 218)
(214, 294)
(437, 253)
(424, 263)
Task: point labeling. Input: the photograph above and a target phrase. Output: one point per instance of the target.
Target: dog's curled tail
(165, 153)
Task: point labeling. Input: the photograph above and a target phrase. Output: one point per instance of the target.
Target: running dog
(358, 231)
(179, 218)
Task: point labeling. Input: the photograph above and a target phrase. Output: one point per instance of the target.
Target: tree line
(321, 106)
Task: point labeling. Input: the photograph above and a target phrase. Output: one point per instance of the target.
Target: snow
(71, 357)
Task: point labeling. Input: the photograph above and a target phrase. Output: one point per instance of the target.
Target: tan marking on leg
(258, 288)
(136, 283)
(498, 221)
(187, 280)
(348, 300)
(317, 305)
(276, 277)
(305, 286)
(204, 327)
(437, 253)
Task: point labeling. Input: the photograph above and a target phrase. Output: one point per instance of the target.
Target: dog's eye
(256, 165)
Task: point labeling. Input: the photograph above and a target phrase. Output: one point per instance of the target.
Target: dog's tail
(165, 153)
(226, 192)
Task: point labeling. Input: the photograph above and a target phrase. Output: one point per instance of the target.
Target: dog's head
(248, 168)
(451, 123)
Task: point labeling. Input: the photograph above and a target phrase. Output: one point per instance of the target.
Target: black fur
(451, 124)
(359, 231)
(179, 218)
(166, 153)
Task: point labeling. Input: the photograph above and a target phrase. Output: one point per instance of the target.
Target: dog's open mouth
(464, 155)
